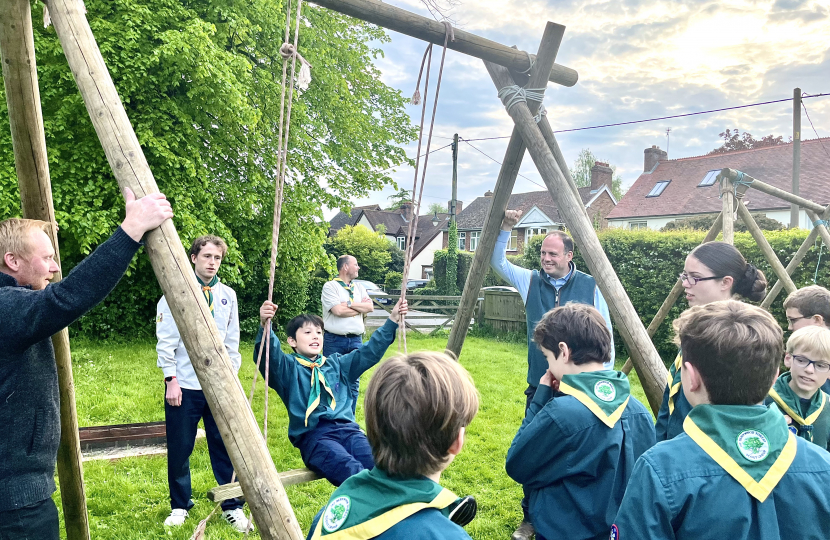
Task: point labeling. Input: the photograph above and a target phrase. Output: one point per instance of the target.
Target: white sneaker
(176, 518)
(238, 520)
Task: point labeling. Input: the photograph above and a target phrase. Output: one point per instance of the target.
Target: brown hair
(567, 241)
(581, 327)
(200, 242)
(809, 301)
(724, 260)
(736, 348)
(415, 407)
(342, 261)
(14, 236)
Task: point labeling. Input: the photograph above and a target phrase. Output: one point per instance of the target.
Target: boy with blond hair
(736, 471)
(417, 410)
(797, 393)
(575, 453)
(809, 306)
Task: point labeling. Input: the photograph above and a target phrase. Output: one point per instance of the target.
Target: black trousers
(38, 521)
(529, 394)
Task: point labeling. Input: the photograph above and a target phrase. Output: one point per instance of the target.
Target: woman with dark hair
(713, 271)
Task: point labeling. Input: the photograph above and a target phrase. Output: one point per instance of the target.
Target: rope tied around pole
(531, 61)
(514, 94)
(818, 264)
(822, 222)
(738, 181)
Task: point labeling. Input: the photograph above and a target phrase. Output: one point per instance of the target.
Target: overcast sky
(636, 59)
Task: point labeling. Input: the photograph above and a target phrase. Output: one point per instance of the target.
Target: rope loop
(818, 222)
(738, 181)
(531, 62)
(514, 94)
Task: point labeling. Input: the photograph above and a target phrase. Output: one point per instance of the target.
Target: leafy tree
(581, 172)
(201, 82)
(369, 248)
(452, 260)
(733, 141)
(704, 223)
(397, 200)
(436, 208)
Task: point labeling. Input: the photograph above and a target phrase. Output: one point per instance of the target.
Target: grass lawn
(128, 498)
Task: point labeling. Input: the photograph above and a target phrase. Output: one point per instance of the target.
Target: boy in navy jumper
(315, 390)
(417, 409)
(736, 471)
(575, 452)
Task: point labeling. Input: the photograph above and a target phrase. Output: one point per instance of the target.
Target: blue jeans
(38, 521)
(335, 343)
(181, 437)
(336, 450)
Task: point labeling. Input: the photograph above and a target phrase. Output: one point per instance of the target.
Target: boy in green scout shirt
(736, 472)
(575, 452)
(417, 408)
(797, 393)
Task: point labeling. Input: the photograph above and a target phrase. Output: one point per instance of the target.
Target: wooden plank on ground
(233, 491)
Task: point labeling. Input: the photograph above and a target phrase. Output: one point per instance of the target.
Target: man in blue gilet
(557, 283)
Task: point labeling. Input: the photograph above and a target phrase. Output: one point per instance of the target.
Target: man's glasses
(803, 362)
(693, 280)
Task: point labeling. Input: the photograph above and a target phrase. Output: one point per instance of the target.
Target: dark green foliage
(704, 223)
(451, 261)
(439, 267)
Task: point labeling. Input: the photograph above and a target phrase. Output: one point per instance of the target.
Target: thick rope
(416, 208)
(514, 94)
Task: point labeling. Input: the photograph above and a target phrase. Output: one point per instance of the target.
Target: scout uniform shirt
(293, 381)
(736, 473)
(574, 453)
(372, 504)
(336, 292)
(675, 406)
(810, 418)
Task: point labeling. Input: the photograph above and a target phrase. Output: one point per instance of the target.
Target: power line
(814, 129)
(499, 162)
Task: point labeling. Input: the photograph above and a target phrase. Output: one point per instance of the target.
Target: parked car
(412, 284)
(374, 290)
(500, 288)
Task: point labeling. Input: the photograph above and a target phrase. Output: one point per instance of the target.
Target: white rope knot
(515, 94)
(304, 78)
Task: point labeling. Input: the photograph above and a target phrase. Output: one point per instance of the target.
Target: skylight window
(710, 178)
(658, 188)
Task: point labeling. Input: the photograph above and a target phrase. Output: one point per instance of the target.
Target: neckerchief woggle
(349, 287)
(674, 380)
(207, 290)
(371, 502)
(317, 379)
(789, 402)
(605, 393)
(750, 442)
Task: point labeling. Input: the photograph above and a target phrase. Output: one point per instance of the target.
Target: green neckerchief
(790, 404)
(317, 378)
(750, 442)
(207, 289)
(371, 502)
(674, 380)
(605, 393)
(349, 287)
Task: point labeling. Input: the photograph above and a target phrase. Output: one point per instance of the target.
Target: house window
(462, 241)
(426, 272)
(530, 232)
(474, 236)
(402, 242)
(637, 225)
(658, 188)
(513, 244)
(709, 179)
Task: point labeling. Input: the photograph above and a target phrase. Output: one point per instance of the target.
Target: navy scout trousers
(336, 450)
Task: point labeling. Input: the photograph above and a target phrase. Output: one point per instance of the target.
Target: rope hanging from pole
(413, 222)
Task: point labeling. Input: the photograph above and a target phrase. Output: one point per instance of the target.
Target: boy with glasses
(797, 393)
(809, 306)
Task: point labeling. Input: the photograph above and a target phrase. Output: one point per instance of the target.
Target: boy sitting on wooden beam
(315, 390)
(574, 453)
(736, 471)
(417, 409)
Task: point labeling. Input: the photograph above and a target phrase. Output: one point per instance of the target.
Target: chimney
(601, 175)
(406, 210)
(653, 155)
(488, 193)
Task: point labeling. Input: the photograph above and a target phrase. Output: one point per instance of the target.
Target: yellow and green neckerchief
(605, 393)
(371, 502)
(751, 443)
(349, 288)
(207, 289)
(317, 379)
(789, 403)
(674, 380)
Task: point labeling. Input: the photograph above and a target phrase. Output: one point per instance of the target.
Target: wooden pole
(223, 392)
(674, 294)
(650, 366)
(794, 210)
(822, 230)
(17, 54)
(728, 209)
(793, 264)
(763, 187)
(766, 249)
(548, 49)
(550, 138)
(432, 31)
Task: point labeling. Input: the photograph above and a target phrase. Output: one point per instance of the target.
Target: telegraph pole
(454, 177)
(794, 210)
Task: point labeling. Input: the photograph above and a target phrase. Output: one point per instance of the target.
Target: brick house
(679, 188)
(539, 212)
(395, 224)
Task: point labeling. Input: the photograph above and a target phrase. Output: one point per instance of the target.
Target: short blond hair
(813, 340)
(14, 236)
(415, 408)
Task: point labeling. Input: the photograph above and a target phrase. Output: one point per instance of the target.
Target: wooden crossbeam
(411, 24)
(234, 490)
(763, 187)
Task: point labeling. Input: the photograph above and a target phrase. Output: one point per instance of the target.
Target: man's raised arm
(515, 275)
